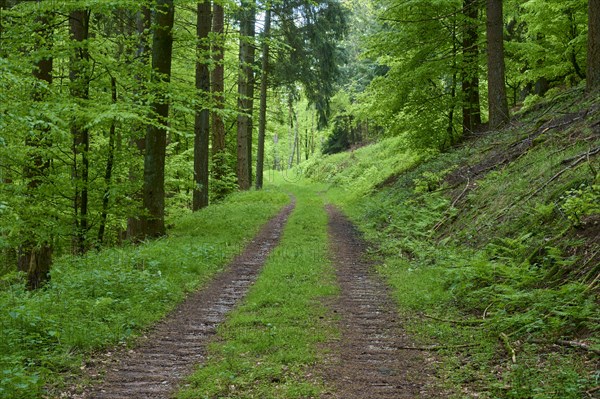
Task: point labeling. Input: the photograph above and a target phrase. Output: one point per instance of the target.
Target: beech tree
(156, 135)
(470, 70)
(202, 128)
(245, 94)
(79, 74)
(264, 81)
(498, 103)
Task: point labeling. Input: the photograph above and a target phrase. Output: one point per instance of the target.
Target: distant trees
(498, 104)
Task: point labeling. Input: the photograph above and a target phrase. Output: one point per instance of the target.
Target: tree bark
(135, 228)
(262, 118)
(110, 160)
(202, 127)
(79, 76)
(498, 103)
(245, 94)
(35, 259)
(156, 134)
(593, 55)
(218, 80)
(470, 74)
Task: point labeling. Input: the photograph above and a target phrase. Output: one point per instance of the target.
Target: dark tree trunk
(110, 160)
(202, 127)
(498, 103)
(156, 134)
(593, 55)
(470, 75)
(218, 80)
(245, 94)
(135, 230)
(35, 259)
(262, 118)
(79, 76)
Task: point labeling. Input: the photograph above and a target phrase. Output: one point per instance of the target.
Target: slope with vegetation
(492, 247)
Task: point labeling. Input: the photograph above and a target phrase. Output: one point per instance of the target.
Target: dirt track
(370, 361)
(154, 368)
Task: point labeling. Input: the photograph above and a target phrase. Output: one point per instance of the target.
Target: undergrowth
(267, 346)
(107, 298)
(495, 262)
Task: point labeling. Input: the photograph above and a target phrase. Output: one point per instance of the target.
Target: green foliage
(109, 297)
(504, 261)
(581, 202)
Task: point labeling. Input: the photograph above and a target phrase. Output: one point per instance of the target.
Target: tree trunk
(593, 55)
(245, 93)
(202, 127)
(218, 79)
(110, 160)
(262, 118)
(35, 259)
(79, 76)
(470, 74)
(156, 134)
(498, 103)
(135, 229)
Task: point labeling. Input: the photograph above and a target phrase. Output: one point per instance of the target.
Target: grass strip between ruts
(268, 346)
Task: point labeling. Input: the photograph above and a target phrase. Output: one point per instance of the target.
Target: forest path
(155, 367)
(370, 360)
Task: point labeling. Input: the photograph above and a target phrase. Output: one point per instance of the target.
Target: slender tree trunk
(245, 94)
(593, 55)
(498, 103)
(262, 118)
(156, 134)
(470, 74)
(143, 20)
(35, 259)
(218, 79)
(202, 128)
(80, 85)
(110, 160)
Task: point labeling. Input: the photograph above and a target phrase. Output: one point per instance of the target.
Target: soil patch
(155, 367)
(372, 359)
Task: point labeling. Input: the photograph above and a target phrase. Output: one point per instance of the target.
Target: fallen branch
(575, 163)
(509, 349)
(569, 344)
(584, 155)
(441, 222)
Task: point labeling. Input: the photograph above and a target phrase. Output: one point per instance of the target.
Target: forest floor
(156, 365)
(371, 357)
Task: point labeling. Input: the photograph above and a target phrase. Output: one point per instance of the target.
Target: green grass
(108, 298)
(269, 345)
(509, 256)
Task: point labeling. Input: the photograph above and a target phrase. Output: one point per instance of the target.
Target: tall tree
(593, 55)
(217, 80)
(264, 81)
(156, 134)
(35, 258)
(143, 22)
(79, 75)
(498, 103)
(470, 70)
(202, 126)
(245, 94)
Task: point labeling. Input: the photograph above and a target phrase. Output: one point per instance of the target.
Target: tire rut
(370, 360)
(155, 367)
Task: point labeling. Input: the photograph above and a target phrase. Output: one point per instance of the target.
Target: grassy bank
(492, 248)
(268, 344)
(108, 298)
